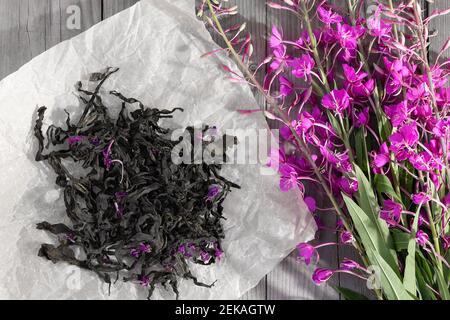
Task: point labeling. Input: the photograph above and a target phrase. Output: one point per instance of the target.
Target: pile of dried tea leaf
(134, 214)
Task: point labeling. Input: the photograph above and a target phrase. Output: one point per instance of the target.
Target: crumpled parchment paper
(157, 45)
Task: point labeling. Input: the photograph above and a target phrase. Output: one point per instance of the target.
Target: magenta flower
(75, 139)
(321, 275)
(348, 264)
(142, 248)
(361, 118)
(205, 256)
(347, 237)
(420, 198)
(144, 281)
(276, 39)
(289, 177)
(279, 58)
(397, 113)
(378, 27)
(348, 35)
(403, 140)
(302, 66)
(213, 192)
(381, 158)
(391, 212)
(306, 252)
(328, 16)
(286, 87)
(107, 161)
(336, 100)
(310, 203)
(135, 253)
(218, 253)
(348, 185)
(145, 248)
(421, 238)
(355, 82)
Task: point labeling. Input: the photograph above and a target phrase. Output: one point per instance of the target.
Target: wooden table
(29, 27)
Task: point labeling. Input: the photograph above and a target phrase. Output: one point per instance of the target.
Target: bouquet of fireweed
(364, 114)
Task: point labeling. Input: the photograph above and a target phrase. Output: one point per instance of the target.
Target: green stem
(313, 40)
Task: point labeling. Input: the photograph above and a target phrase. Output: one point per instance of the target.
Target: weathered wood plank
(111, 7)
(28, 28)
(440, 26)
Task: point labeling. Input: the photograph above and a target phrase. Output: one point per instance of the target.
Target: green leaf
(361, 155)
(391, 284)
(443, 286)
(409, 277)
(334, 123)
(350, 294)
(368, 203)
(401, 239)
(369, 232)
(384, 185)
(424, 291)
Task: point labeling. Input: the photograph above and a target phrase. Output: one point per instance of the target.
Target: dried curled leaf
(133, 212)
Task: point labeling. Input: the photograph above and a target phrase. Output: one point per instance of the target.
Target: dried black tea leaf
(135, 215)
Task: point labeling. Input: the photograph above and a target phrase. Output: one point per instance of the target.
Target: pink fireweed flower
(328, 16)
(321, 275)
(142, 248)
(286, 87)
(338, 160)
(310, 203)
(347, 237)
(218, 253)
(403, 140)
(420, 198)
(306, 252)
(397, 113)
(348, 35)
(424, 161)
(337, 100)
(381, 158)
(276, 39)
(213, 192)
(348, 264)
(205, 256)
(107, 161)
(355, 82)
(302, 66)
(144, 281)
(348, 185)
(377, 26)
(279, 59)
(361, 118)
(442, 128)
(75, 139)
(391, 212)
(135, 253)
(145, 248)
(289, 177)
(352, 75)
(421, 238)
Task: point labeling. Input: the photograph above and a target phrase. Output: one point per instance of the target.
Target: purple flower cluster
(398, 105)
(364, 115)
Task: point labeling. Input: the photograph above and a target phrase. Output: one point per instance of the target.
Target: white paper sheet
(157, 45)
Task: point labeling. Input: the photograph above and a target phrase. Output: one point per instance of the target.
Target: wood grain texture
(29, 27)
(111, 7)
(440, 26)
